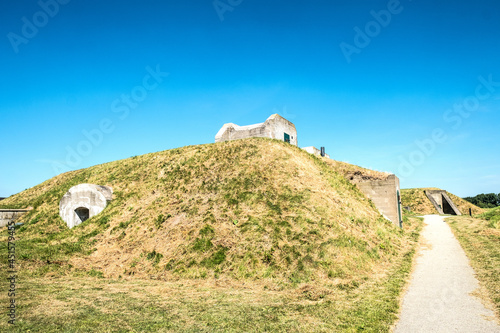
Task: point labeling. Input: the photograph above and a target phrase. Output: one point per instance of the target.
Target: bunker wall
(8, 215)
(384, 195)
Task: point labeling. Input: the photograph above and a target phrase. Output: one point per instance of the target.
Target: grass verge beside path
(480, 238)
(90, 304)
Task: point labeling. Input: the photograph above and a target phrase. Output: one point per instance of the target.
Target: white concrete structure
(9, 215)
(315, 151)
(275, 127)
(82, 202)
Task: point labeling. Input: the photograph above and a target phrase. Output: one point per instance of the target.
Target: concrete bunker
(315, 151)
(10, 215)
(82, 202)
(442, 202)
(385, 195)
(275, 127)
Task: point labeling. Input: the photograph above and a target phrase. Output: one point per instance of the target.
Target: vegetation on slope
(493, 217)
(253, 208)
(354, 173)
(480, 238)
(245, 235)
(463, 205)
(89, 304)
(418, 202)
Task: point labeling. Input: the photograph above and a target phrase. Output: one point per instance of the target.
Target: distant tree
(472, 200)
(482, 200)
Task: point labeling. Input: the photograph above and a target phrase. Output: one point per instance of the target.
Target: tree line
(482, 200)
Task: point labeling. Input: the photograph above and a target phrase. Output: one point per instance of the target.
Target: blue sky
(409, 87)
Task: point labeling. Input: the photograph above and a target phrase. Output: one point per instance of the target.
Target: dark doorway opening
(447, 209)
(82, 213)
(287, 138)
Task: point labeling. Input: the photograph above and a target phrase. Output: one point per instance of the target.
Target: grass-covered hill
(418, 202)
(246, 209)
(356, 174)
(492, 216)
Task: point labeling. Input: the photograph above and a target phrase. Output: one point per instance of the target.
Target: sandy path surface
(439, 295)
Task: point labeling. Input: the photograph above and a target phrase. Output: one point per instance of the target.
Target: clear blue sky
(409, 87)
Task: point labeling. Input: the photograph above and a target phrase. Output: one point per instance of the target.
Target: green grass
(480, 238)
(92, 303)
(246, 209)
(493, 217)
(303, 248)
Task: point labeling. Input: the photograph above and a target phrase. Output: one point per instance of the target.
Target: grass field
(480, 238)
(73, 303)
(248, 235)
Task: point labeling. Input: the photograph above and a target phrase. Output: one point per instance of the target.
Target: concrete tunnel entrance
(82, 213)
(82, 202)
(442, 202)
(447, 209)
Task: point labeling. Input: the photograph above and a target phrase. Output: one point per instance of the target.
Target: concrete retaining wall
(385, 196)
(8, 215)
(274, 127)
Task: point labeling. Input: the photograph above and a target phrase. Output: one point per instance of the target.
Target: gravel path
(438, 298)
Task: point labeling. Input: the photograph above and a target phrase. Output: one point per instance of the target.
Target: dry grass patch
(84, 304)
(248, 209)
(244, 213)
(481, 241)
(356, 173)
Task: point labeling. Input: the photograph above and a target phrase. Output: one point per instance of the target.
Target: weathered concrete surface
(442, 202)
(275, 127)
(82, 202)
(314, 151)
(439, 296)
(384, 195)
(7, 215)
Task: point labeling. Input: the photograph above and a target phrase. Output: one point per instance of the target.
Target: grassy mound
(493, 217)
(356, 174)
(246, 209)
(418, 202)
